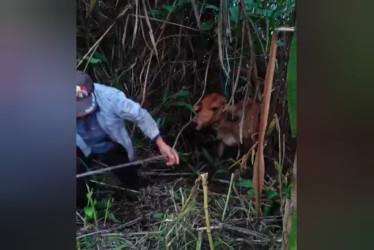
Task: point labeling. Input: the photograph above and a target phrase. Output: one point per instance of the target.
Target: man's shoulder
(107, 91)
(108, 97)
(104, 88)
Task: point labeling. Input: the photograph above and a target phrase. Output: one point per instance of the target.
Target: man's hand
(166, 150)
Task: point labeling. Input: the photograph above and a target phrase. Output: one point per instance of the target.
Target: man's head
(86, 103)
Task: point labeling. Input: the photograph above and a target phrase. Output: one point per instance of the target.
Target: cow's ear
(196, 108)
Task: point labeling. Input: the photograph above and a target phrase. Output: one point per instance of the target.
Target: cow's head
(209, 110)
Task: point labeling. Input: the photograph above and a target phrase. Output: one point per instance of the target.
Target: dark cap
(86, 103)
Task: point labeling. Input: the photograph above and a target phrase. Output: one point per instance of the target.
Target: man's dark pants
(129, 176)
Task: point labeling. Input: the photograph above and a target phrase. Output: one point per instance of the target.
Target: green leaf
(268, 13)
(89, 212)
(251, 192)
(170, 8)
(116, 82)
(95, 60)
(206, 26)
(100, 56)
(112, 217)
(246, 183)
(234, 14)
(180, 94)
(207, 156)
(271, 194)
(165, 95)
(293, 234)
(250, 3)
(267, 210)
(222, 171)
(292, 86)
(289, 190)
(280, 43)
(156, 13)
(158, 121)
(277, 166)
(185, 105)
(218, 242)
(89, 242)
(211, 6)
(182, 2)
(271, 128)
(184, 156)
(92, 5)
(159, 216)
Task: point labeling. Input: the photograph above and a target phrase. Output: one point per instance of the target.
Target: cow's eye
(215, 108)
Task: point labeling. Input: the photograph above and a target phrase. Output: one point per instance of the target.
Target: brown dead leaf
(259, 166)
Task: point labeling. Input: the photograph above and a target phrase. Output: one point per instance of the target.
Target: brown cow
(226, 120)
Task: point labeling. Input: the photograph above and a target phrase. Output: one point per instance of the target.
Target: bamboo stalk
(228, 197)
(192, 193)
(199, 240)
(204, 178)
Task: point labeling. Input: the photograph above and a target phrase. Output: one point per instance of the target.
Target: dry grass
(170, 213)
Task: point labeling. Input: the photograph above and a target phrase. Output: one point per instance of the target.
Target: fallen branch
(166, 174)
(112, 229)
(245, 231)
(130, 234)
(221, 226)
(112, 186)
(99, 171)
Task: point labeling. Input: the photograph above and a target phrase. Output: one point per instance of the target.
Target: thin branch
(205, 79)
(197, 16)
(99, 171)
(180, 132)
(163, 21)
(136, 23)
(110, 230)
